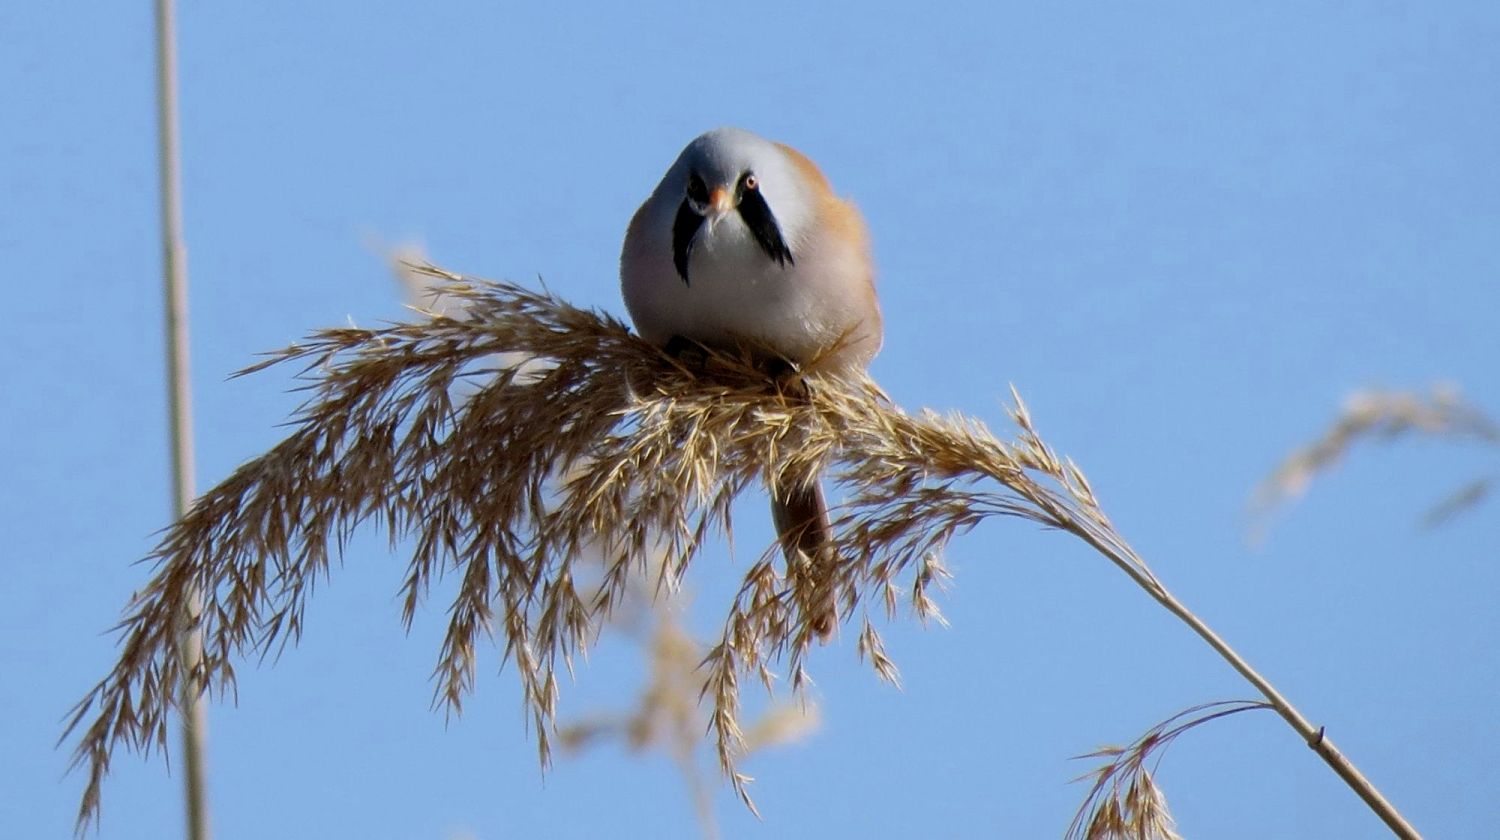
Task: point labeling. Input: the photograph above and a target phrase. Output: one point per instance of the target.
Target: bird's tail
(800, 514)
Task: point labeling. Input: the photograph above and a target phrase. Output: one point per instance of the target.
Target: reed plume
(602, 442)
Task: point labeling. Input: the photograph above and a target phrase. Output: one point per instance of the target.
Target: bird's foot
(687, 351)
(787, 377)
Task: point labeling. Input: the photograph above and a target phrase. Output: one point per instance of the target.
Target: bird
(743, 244)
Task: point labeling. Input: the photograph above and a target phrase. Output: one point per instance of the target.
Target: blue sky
(1185, 233)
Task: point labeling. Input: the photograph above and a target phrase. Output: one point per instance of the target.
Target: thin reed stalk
(194, 713)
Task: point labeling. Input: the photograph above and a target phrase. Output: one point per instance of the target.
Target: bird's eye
(750, 181)
(697, 190)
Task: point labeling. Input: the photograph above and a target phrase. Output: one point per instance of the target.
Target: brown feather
(841, 220)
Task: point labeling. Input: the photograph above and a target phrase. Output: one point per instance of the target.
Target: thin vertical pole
(194, 717)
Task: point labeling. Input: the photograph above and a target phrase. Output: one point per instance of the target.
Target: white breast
(737, 293)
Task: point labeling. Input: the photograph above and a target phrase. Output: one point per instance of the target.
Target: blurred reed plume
(1383, 416)
(667, 716)
(599, 445)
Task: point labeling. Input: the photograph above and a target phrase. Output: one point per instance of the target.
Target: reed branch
(601, 441)
(1125, 803)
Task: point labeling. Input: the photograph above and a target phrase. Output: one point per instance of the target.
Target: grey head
(731, 172)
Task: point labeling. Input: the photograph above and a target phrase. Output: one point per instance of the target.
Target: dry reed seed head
(1124, 801)
(603, 441)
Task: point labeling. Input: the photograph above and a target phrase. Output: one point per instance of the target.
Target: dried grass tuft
(599, 445)
(1125, 802)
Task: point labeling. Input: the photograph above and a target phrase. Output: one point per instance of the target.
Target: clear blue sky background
(1184, 233)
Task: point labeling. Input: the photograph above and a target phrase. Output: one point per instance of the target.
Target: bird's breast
(735, 292)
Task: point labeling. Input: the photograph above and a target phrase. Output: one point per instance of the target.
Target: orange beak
(720, 201)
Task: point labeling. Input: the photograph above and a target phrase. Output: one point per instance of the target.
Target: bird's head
(732, 177)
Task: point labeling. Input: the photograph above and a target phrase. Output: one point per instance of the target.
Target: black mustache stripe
(684, 229)
(757, 216)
